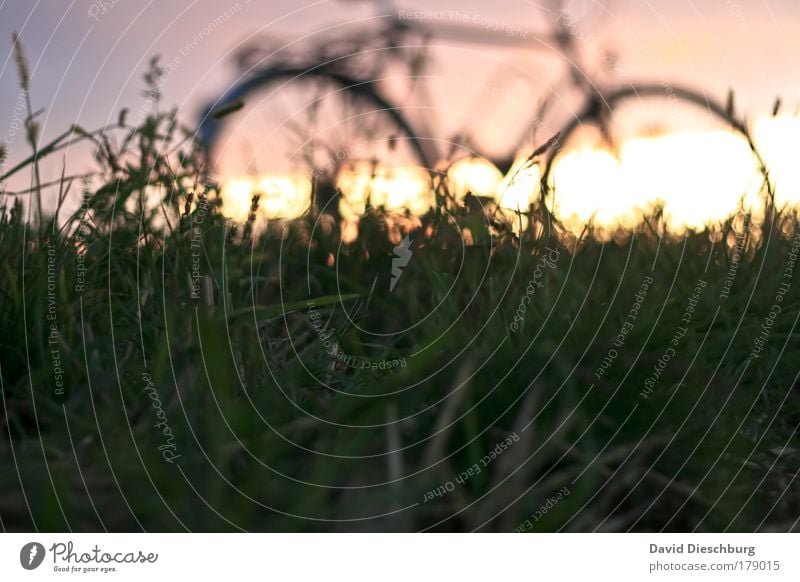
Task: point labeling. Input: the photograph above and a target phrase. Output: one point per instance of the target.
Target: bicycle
(338, 108)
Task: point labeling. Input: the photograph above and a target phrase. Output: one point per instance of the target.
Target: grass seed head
(22, 64)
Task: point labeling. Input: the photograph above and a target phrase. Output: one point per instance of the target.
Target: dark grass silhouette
(163, 369)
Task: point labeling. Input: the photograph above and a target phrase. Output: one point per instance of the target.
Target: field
(166, 370)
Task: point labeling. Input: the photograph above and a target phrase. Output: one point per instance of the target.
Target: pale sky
(87, 56)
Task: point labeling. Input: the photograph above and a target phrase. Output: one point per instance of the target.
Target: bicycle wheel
(647, 147)
(302, 128)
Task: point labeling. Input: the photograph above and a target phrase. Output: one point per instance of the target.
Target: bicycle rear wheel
(302, 128)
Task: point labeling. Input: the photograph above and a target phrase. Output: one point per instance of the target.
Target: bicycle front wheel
(653, 148)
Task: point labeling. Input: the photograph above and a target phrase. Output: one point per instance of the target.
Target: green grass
(273, 436)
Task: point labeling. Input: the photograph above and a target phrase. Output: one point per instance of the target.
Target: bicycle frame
(558, 44)
(597, 102)
(401, 24)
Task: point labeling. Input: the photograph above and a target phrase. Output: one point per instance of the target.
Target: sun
(697, 177)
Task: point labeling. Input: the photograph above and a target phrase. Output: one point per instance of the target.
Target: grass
(212, 403)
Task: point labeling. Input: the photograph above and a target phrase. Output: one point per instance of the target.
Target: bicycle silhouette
(344, 100)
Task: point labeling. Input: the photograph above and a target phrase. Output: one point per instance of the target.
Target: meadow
(165, 369)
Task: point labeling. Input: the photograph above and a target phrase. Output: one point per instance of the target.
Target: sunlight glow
(520, 186)
(284, 197)
(778, 139)
(395, 189)
(697, 177)
(474, 175)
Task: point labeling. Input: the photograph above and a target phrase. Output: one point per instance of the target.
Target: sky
(87, 56)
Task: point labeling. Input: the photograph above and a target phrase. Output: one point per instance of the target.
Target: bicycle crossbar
(518, 38)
